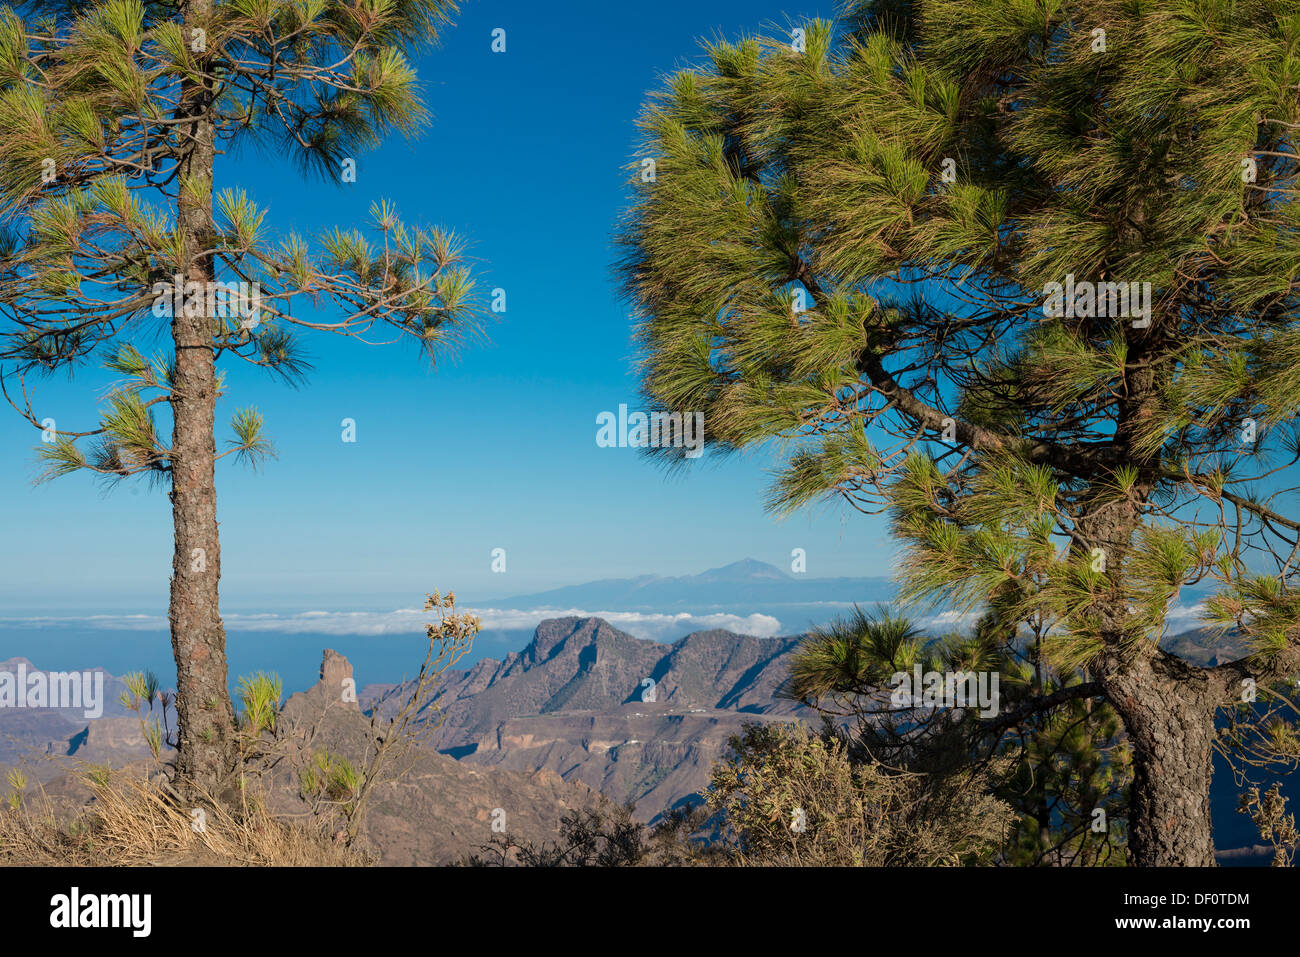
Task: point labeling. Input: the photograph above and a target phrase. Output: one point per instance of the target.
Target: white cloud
(1181, 618)
(948, 620)
(1178, 619)
(405, 621)
(409, 621)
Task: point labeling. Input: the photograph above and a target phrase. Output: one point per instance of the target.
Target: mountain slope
(437, 811)
(577, 700)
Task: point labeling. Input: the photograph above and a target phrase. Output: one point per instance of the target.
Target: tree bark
(206, 725)
(1168, 709)
(1167, 705)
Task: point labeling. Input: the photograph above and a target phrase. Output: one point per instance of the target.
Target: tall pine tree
(113, 117)
(897, 243)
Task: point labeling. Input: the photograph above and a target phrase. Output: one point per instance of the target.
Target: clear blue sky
(527, 158)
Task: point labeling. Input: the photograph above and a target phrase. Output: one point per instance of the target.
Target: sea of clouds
(406, 621)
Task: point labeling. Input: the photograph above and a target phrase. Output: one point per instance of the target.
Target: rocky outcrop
(336, 689)
(336, 677)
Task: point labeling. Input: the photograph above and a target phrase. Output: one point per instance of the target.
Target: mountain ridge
(640, 720)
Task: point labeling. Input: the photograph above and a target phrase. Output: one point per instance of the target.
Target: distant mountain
(1206, 647)
(536, 733)
(744, 586)
(60, 732)
(573, 701)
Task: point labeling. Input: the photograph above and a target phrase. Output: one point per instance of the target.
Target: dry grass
(133, 821)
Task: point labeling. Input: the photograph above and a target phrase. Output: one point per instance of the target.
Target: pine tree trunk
(206, 741)
(1168, 711)
(1167, 705)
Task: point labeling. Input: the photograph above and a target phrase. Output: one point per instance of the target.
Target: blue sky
(526, 158)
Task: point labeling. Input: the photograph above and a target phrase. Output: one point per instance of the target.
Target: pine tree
(113, 116)
(897, 244)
